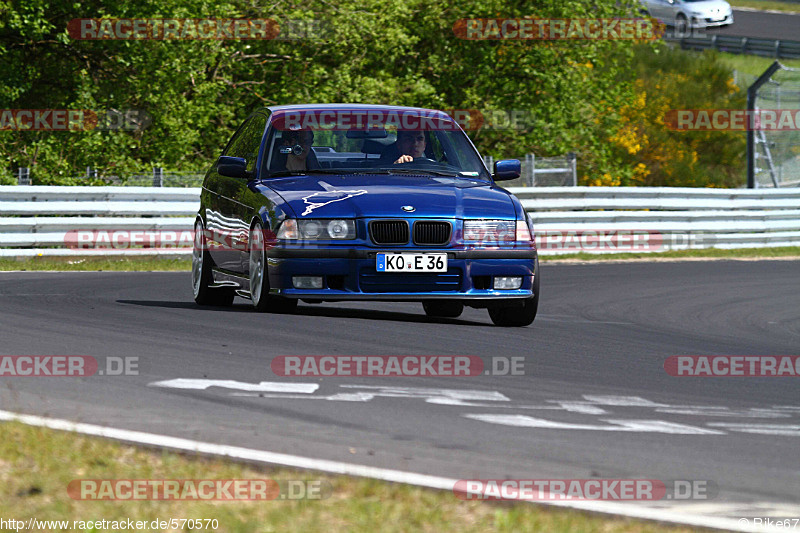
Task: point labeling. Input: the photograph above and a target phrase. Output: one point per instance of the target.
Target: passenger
(296, 148)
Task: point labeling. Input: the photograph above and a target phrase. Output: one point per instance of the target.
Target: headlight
(524, 231)
(496, 231)
(317, 229)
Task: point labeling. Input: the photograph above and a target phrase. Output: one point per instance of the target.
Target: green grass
(152, 263)
(37, 464)
(159, 264)
(772, 5)
(753, 65)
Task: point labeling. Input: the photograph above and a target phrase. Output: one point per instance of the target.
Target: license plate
(387, 262)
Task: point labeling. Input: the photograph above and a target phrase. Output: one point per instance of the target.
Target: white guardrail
(44, 220)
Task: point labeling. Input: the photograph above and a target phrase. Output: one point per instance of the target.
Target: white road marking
(644, 426)
(622, 401)
(437, 396)
(351, 397)
(586, 408)
(421, 392)
(760, 429)
(723, 411)
(473, 398)
(264, 386)
(384, 474)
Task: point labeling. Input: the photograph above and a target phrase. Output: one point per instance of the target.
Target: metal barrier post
(532, 171)
(573, 165)
(158, 177)
(23, 176)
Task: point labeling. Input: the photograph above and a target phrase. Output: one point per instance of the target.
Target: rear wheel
(515, 315)
(204, 293)
(259, 277)
(443, 308)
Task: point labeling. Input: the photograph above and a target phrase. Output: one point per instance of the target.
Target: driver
(411, 144)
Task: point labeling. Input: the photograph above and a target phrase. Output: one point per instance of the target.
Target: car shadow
(376, 314)
(315, 310)
(183, 305)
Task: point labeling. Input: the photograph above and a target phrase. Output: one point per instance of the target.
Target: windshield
(443, 150)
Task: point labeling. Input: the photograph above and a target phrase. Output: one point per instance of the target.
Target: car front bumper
(350, 274)
(703, 22)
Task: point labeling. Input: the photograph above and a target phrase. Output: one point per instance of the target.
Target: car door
(229, 220)
(671, 10)
(660, 9)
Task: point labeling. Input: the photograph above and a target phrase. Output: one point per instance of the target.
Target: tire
(204, 293)
(517, 316)
(443, 308)
(263, 302)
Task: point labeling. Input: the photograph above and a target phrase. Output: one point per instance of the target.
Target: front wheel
(204, 293)
(514, 315)
(259, 277)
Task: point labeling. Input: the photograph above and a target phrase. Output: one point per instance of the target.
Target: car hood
(709, 7)
(381, 195)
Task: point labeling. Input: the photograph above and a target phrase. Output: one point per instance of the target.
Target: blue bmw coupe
(331, 202)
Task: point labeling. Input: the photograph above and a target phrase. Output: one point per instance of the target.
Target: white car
(684, 14)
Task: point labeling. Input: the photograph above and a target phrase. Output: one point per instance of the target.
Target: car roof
(365, 107)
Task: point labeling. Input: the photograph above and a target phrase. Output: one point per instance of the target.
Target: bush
(647, 152)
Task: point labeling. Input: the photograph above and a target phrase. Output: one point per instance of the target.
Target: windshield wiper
(418, 171)
(367, 171)
(280, 173)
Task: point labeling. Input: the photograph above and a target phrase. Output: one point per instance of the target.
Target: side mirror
(233, 167)
(507, 169)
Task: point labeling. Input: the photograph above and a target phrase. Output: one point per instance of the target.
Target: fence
(543, 171)
(773, 157)
(777, 48)
(158, 178)
(36, 220)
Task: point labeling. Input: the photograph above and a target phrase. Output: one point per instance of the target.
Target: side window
(247, 140)
(435, 146)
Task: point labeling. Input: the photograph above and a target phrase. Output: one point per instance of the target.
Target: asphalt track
(593, 363)
(762, 25)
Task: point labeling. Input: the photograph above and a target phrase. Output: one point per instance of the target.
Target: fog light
(507, 282)
(307, 282)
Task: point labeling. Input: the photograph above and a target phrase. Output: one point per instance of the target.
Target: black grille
(372, 281)
(431, 232)
(389, 231)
